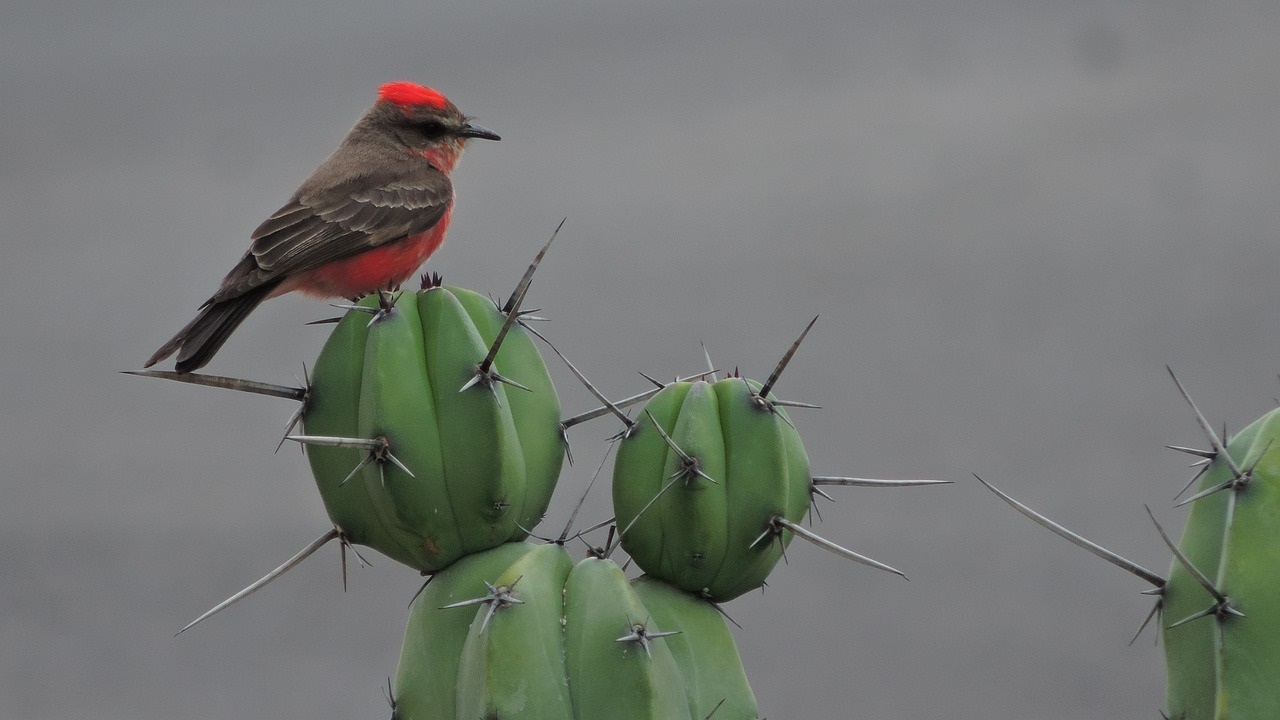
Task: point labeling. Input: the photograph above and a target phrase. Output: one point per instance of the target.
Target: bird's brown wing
(335, 223)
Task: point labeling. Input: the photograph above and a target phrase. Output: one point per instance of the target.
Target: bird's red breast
(382, 267)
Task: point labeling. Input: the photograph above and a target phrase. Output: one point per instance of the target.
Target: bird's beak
(476, 131)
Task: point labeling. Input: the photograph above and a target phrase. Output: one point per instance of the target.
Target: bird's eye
(432, 128)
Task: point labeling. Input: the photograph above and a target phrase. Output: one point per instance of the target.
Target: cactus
(434, 435)
(703, 649)
(618, 667)
(415, 451)
(518, 631)
(699, 480)
(1219, 609)
(427, 675)
(711, 484)
(1222, 647)
(513, 658)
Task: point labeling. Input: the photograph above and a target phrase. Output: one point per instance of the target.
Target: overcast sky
(1009, 215)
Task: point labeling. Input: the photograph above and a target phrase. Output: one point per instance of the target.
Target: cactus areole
(417, 451)
(698, 495)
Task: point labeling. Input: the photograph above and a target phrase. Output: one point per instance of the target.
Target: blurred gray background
(1010, 216)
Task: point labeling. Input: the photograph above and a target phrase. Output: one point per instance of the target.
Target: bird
(365, 220)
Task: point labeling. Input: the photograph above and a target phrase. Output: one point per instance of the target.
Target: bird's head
(424, 118)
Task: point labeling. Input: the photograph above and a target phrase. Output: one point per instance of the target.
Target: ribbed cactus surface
(418, 454)
(699, 482)
(520, 632)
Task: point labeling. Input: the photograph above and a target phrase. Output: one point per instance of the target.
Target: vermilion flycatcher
(365, 220)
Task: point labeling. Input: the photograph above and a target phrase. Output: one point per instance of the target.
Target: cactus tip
(430, 280)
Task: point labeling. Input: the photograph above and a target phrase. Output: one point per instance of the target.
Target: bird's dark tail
(197, 343)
